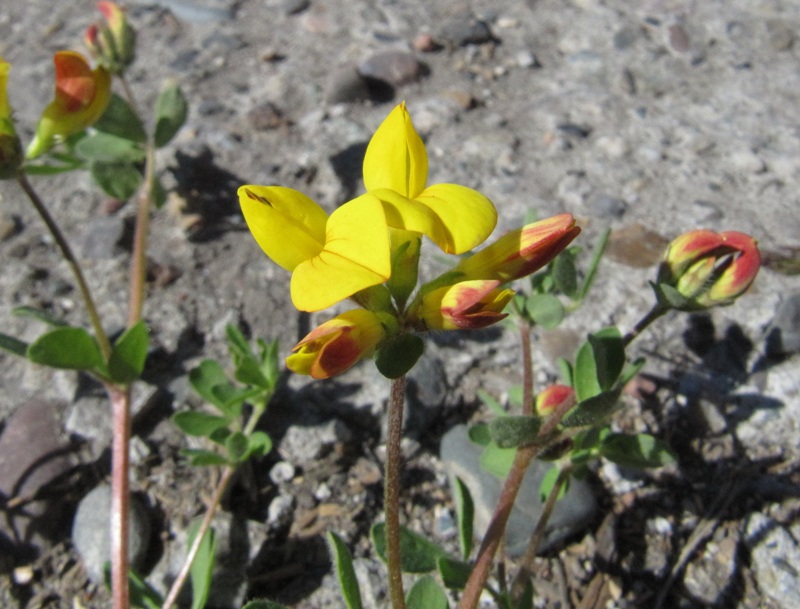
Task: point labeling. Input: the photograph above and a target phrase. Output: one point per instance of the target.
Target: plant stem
(391, 492)
(180, 579)
(652, 315)
(139, 257)
(536, 538)
(72, 261)
(120, 494)
(527, 368)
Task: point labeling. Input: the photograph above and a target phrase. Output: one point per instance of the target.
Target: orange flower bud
(521, 252)
(81, 97)
(708, 269)
(337, 345)
(112, 43)
(465, 305)
(553, 397)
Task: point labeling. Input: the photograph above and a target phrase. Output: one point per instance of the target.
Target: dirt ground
(650, 118)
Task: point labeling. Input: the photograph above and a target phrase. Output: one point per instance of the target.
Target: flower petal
(288, 225)
(355, 256)
(467, 216)
(396, 158)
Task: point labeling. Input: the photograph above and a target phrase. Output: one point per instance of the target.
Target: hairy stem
(652, 315)
(527, 368)
(72, 261)
(391, 492)
(120, 494)
(139, 257)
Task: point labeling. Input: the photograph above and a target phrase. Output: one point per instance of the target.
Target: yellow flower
(454, 217)
(330, 258)
(81, 97)
(337, 345)
(10, 147)
(521, 252)
(464, 306)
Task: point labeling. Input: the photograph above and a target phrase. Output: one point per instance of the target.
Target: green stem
(652, 315)
(139, 256)
(120, 494)
(391, 492)
(527, 367)
(72, 261)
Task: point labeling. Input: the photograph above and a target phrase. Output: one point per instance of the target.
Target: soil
(650, 118)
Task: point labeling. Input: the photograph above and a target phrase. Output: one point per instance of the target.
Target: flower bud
(112, 43)
(521, 252)
(707, 269)
(553, 397)
(81, 97)
(466, 305)
(10, 146)
(337, 345)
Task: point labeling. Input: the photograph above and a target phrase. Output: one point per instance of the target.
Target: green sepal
(399, 354)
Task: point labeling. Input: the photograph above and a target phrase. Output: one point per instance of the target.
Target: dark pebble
(266, 116)
(461, 31)
(606, 206)
(393, 67)
(346, 85)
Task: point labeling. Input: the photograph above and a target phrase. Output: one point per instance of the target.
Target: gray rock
(775, 554)
(396, 68)
(33, 454)
(462, 30)
(280, 511)
(710, 574)
(345, 85)
(304, 443)
(606, 206)
(293, 7)
(783, 336)
(91, 532)
(462, 458)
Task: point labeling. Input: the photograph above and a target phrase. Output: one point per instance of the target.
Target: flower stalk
(391, 491)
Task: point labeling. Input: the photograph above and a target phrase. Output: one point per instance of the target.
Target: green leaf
(491, 402)
(203, 458)
(258, 444)
(593, 411)
(565, 371)
(426, 594)
(38, 315)
(609, 355)
(142, 595)
(171, 112)
(591, 272)
(202, 565)
(638, 451)
(455, 573)
(67, 347)
(129, 354)
(548, 482)
(417, 553)
(345, 571)
(479, 434)
(515, 396)
(119, 119)
(264, 605)
(205, 377)
(465, 514)
(200, 424)
(545, 309)
(513, 431)
(399, 355)
(13, 345)
(236, 444)
(497, 461)
(270, 365)
(118, 180)
(565, 274)
(106, 148)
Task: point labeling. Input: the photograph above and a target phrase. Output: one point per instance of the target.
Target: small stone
(709, 575)
(91, 532)
(774, 557)
(281, 472)
(294, 7)
(781, 36)
(10, 225)
(303, 443)
(345, 85)
(624, 38)
(636, 246)
(783, 335)
(462, 458)
(463, 30)
(747, 161)
(606, 206)
(395, 68)
(678, 38)
(425, 43)
(526, 59)
(266, 116)
(280, 511)
(614, 147)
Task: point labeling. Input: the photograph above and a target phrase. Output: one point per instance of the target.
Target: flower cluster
(368, 251)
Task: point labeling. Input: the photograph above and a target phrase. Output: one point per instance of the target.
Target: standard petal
(467, 216)
(396, 157)
(355, 256)
(288, 226)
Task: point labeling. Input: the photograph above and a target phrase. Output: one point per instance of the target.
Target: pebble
(294, 7)
(573, 512)
(395, 68)
(783, 335)
(746, 160)
(425, 43)
(709, 575)
(303, 443)
(775, 556)
(526, 59)
(636, 246)
(678, 38)
(606, 206)
(91, 532)
(614, 147)
(345, 85)
(10, 225)
(33, 453)
(266, 116)
(280, 511)
(781, 37)
(462, 30)
(281, 472)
